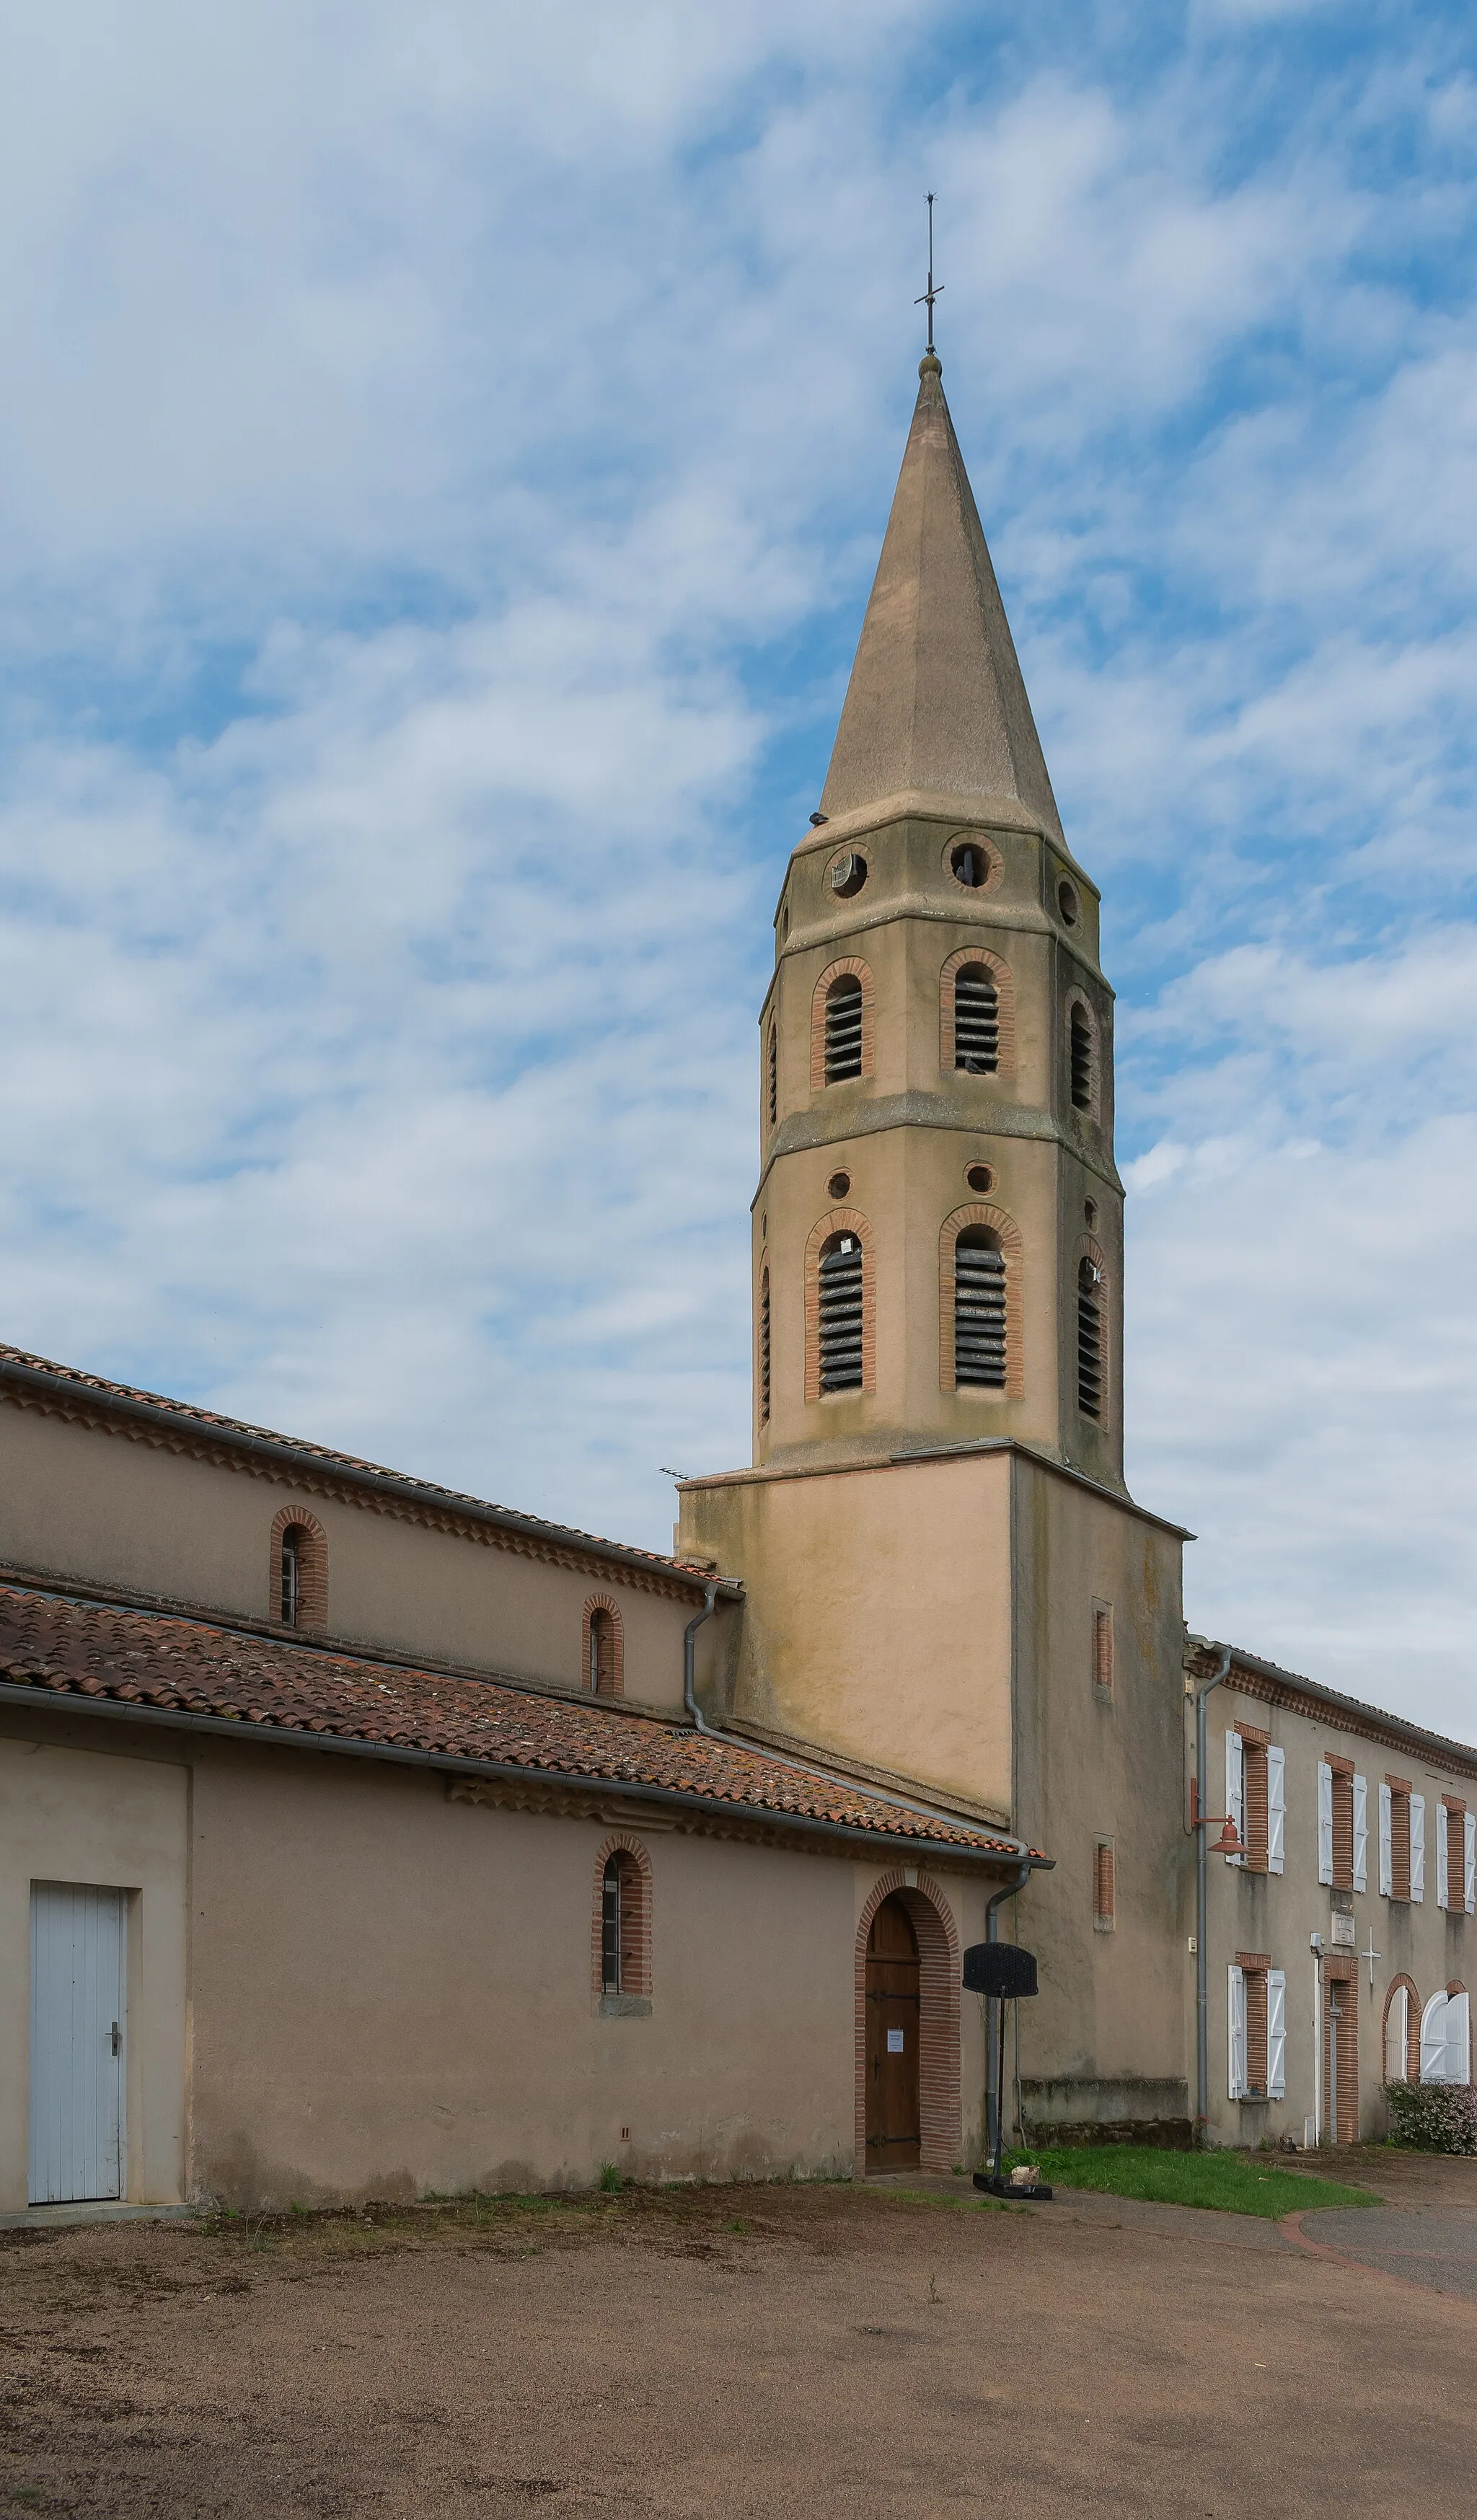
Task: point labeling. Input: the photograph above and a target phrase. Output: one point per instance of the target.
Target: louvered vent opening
(977, 1021)
(773, 1074)
(1081, 1061)
(841, 1314)
(764, 1350)
(979, 1313)
(843, 1028)
(1089, 1339)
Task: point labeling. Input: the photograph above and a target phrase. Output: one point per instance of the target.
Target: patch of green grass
(1227, 2182)
(611, 2180)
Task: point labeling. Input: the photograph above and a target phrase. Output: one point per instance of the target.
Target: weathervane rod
(930, 292)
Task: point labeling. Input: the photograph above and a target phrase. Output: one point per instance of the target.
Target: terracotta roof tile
(146, 1658)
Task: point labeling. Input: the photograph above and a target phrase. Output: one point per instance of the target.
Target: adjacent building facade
(362, 1838)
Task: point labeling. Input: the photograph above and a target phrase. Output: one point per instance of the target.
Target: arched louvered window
(1089, 1338)
(295, 1543)
(977, 1020)
(773, 1074)
(979, 1310)
(840, 1314)
(843, 1028)
(764, 1349)
(1082, 1060)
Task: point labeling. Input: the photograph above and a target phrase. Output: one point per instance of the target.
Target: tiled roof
(28, 1369)
(145, 1658)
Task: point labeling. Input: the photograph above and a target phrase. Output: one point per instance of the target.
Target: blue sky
(444, 460)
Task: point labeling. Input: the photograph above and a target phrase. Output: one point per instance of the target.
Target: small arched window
(977, 1020)
(979, 1310)
(623, 1925)
(773, 1074)
(298, 1594)
(602, 1674)
(764, 1349)
(841, 1299)
(1089, 1337)
(1080, 1059)
(843, 1028)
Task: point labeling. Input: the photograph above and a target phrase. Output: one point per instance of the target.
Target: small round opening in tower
(1089, 1213)
(838, 1186)
(970, 864)
(979, 1177)
(1067, 903)
(848, 873)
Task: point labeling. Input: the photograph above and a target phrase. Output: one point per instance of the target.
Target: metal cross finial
(930, 292)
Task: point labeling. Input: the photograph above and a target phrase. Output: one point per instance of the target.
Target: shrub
(1433, 2117)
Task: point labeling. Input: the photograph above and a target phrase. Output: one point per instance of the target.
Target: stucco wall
(96, 1507)
(67, 1814)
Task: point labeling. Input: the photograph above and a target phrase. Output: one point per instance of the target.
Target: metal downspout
(1202, 1873)
(690, 1655)
(995, 2026)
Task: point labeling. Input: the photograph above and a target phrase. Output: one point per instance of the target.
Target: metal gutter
(1361, 1716)
(607, 1788)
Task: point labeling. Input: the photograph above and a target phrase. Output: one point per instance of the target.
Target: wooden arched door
(892, 2039)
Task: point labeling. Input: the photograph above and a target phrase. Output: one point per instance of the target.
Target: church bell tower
(938, 1225)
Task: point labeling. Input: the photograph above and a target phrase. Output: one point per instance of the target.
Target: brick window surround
(1342, 1970)
(1254, 1826)
(840, 1220)
(1254, 1967)
(938, 2017)
(835, 972)
(1399, 1863)
(1105, 1885)
(1413, 2028)
(312, 1568)
(604, 1613)
(1005, 992)
(1343, 1822)
(635, 1915)
(1079, 1003)
(1007, 1233)
(1102, 1648)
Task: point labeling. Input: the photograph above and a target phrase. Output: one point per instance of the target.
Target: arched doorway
(894, 2126)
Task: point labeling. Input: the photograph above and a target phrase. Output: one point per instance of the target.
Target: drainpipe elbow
(690, 1656)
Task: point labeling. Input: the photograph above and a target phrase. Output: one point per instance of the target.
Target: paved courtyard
(882, 2355)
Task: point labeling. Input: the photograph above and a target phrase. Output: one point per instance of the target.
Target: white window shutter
(1433, 2041)
(1457, 2065)
(1325, 1822)
(1360, 1834)
(1236, 1788)
(1418, 1847)
(1386, 1844)
(1235, 2026)
(1276, 2033)
(1276, 1808)
(1443, 1860)
(1397, 2036)
(1469, 1862)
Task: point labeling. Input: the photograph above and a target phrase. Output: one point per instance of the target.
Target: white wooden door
(78, 2015)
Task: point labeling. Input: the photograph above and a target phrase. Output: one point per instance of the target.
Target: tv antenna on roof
(930, 292)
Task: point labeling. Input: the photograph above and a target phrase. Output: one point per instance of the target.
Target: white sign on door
(894, 2042)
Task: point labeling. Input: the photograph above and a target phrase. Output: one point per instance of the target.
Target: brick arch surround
(836, 971)
(840, 1220)
(1413, 2026)
(1004, 991)
(615, 1686)
(1008, 1232)
(636, 1938)
(938, 2017)
(312, 1568)
(1079, 1001)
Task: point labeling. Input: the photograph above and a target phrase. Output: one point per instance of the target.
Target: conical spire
(936, 705)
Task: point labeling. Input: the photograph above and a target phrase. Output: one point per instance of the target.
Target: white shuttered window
(1276, 1808)
(1276, 2033)
(1433, 2041)
(1235, 2029)
(1236, 1788)
(1418, 1847)
(1397, 2035)
(1360, 1834)
(1386, 1848)
(1325, 1823)
(1469, 1862)
(1459, 2064)
(1442, 1865)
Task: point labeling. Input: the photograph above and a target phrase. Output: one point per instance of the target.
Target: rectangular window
(1339, 1792)
(1451, 1854)
(1395, 1838)
(1104, 1886)
(1254, 1816)
(1102, 1648)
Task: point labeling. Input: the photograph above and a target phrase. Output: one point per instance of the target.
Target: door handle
(117, 2039)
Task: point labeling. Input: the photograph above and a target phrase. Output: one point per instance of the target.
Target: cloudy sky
(442, 460)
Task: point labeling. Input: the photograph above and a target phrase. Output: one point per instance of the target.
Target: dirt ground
(720, 2352)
